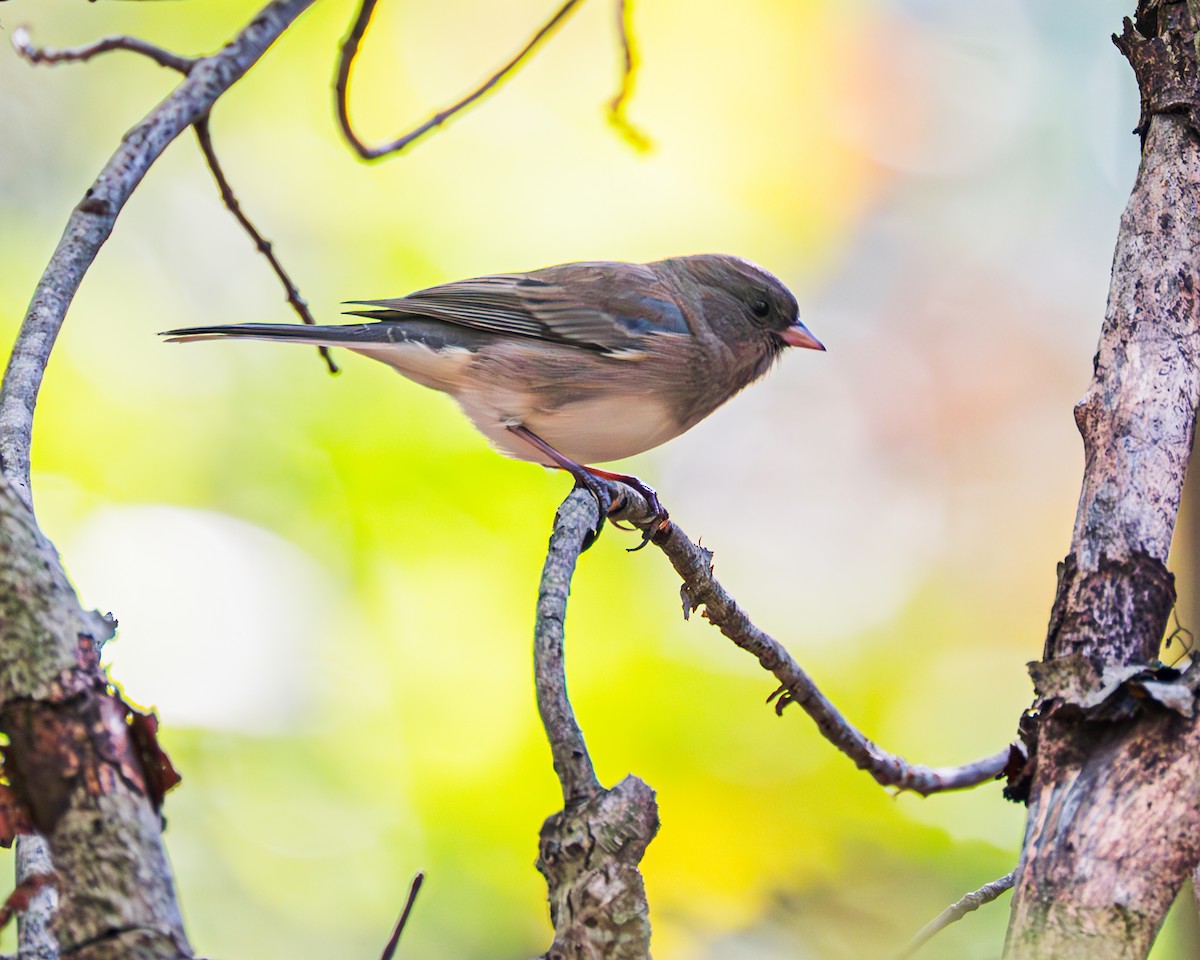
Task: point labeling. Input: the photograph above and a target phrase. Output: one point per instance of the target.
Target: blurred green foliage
(326, 586)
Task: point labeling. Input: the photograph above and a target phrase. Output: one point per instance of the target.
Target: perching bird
(579, 363)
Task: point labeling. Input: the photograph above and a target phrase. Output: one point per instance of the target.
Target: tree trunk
(1114, 826)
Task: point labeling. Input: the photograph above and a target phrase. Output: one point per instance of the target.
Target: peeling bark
(1113, 828)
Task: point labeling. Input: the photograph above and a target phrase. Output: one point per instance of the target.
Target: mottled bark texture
(1113, 826)
(82, 769)
(76, 775)
(589, 853)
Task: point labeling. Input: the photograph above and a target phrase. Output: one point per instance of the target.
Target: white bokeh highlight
(217, 618)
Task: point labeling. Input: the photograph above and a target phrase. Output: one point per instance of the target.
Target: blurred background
(326, 585)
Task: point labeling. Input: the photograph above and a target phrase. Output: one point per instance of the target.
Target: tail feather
(319, 335)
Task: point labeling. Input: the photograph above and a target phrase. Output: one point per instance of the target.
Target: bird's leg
(587, 476)
(582, 477)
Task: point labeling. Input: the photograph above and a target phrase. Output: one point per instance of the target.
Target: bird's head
(741, 301)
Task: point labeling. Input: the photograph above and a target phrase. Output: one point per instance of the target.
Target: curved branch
(576, 518)
(629, 65)
(693, 563)
(81, 54)
(91, 223)
(590, 851)
(79, 766)
(349, 51)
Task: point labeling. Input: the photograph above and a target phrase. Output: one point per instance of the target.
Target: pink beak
(797, 335)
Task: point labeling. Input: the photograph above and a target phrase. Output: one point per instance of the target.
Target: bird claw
(651, 531)
(660, 518)
(603, 500)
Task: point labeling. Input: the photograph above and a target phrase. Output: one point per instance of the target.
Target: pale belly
(593, 429)
(587, 431)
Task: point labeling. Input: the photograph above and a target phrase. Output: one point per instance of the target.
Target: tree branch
(414, 888)
(629, 65)
(92, 221)
(693, 563)
(956, 911)
(576, 517)
(261, 244)
(589, 853)
(79, 767)
(349, 51)
(34, 939)
(1113, 827)
(164, 58)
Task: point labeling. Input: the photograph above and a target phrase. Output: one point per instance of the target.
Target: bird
(575, 364)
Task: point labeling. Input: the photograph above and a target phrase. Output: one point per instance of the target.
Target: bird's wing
(607, 307)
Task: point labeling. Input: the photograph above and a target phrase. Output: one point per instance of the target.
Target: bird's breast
(588, 431)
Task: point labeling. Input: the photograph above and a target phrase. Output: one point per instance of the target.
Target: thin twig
(92, 221)
(164, 58)
(263, 245)
(390, 950)
(956, 911)
(630, 62)
(349, 51)
(693, 563)
(576, 518)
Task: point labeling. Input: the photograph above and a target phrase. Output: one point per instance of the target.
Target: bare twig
(693, 563)
(92, 221)
(414, 888)
(577, 516)
(956, 911)
(164, 58)
(349, 51)
(630, 61)
(263, 245)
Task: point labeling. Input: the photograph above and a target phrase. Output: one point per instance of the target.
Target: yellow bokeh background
(326, 586)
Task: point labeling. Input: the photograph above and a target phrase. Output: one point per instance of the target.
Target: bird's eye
(760, 308)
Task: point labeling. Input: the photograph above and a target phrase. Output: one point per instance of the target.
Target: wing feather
(607, 307)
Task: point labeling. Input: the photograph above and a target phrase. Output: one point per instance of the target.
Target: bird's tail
(331, 336)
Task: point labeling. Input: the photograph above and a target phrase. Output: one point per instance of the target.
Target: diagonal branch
(414, 888)
(164, 58)
(261, 243)
(956, 911)
(693, 563)
(349, 50)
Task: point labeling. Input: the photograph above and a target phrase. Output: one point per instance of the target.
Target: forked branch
(164, 58)
(589, 853)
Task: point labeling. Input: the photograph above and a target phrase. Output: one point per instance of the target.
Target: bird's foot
(591, 479)
(659, 517)
(604, 501)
